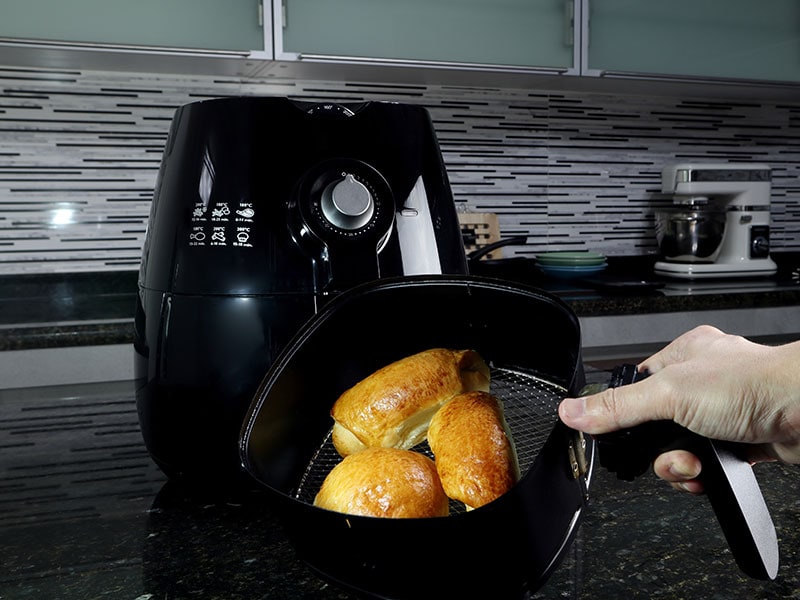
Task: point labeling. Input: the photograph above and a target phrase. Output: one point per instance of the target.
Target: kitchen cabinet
(709, 39)
(697, 41)
(690, 40)
(215, 25)
(535, 34)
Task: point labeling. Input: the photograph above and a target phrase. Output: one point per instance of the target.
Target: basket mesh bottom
(531, 409)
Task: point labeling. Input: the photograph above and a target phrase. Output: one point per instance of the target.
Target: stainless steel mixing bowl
(690, 234)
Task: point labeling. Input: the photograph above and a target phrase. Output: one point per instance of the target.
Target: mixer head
(738, 184)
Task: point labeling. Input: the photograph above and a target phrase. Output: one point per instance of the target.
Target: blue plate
(570, 259)
(571, 272)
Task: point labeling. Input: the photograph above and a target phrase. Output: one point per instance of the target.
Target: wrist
(784, 388)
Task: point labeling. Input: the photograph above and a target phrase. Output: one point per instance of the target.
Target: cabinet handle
(143, 49)
(771, 83)
(569, 22)
(586, 12)
(332, 58)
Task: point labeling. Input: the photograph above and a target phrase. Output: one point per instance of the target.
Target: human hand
(717, 385)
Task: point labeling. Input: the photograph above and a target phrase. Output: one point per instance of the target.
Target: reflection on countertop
(86, 514)
(678, 287)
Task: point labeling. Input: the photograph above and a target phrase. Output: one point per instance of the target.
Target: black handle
(729, 482)
(488, 248)
(629, 452)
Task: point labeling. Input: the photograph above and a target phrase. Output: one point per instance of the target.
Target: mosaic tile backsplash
(79, 154)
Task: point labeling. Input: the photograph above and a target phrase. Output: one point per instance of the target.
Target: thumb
(612, 409)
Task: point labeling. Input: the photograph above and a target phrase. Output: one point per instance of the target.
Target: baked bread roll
(392, 407)
(384, 482)
(475, 455)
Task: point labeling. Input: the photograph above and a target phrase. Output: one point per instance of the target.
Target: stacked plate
(571, 265)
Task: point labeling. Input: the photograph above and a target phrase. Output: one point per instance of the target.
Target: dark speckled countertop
(85, 514)
(48, 311)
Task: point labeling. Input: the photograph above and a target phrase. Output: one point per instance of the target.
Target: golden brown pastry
(384, 482)
(475, 455)
(393, 407)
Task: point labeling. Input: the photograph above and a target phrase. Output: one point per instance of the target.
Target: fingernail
(681, 470)
(573, 408)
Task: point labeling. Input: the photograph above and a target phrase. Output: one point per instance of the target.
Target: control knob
(760, 246)
(347, 203)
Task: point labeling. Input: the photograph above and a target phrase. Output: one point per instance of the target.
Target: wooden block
(478, 230)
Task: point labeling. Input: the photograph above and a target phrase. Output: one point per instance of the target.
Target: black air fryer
(265, 209)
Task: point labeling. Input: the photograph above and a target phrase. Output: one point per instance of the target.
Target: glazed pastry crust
(384, 482)
(393, 407)
(475, 454)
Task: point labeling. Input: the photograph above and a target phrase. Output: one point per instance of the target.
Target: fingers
(618, 408)
(650, 399)
(613, 409)
(681, 348)
(681, 469)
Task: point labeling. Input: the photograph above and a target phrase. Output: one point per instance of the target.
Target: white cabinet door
(504, 33)
(731, 39)
(231, 25)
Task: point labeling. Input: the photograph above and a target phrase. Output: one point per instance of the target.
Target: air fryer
(264, 210)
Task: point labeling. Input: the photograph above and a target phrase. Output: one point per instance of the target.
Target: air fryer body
(265, 209)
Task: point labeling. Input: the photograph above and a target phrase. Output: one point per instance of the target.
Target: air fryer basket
(531, 341)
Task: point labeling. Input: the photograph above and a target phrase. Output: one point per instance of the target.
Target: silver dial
(347, 203)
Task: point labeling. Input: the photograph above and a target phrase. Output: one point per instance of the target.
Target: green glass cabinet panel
(741, 39)
(197, 24)
(528, 33)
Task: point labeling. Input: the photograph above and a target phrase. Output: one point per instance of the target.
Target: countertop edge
(628, 305)
(65, 335)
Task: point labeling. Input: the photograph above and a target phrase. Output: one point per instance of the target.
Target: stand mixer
(719, 223)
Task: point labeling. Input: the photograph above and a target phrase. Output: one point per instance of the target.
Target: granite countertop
(85, 514)
(74, 309)
(49, 311)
